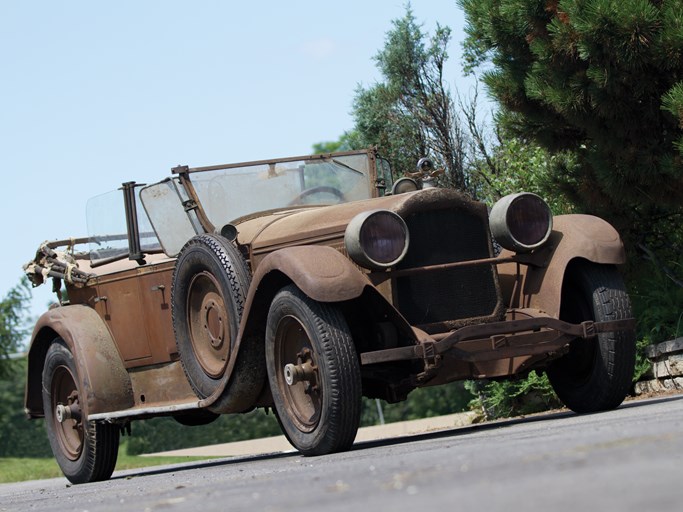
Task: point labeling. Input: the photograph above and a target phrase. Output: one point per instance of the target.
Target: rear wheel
(596, 374)
(85, 451)
(314, 373)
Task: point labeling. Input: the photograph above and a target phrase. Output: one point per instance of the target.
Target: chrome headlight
(376, 239)
(521, 222)
(404, 185)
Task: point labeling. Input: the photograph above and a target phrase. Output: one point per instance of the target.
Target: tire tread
(610, 378)
(344, 389)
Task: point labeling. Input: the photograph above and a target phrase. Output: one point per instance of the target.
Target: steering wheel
(324, 189)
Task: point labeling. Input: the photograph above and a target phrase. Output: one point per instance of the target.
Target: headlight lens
(521, 222)
(376, 239)
(404, 185)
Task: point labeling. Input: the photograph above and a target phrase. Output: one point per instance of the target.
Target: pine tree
(601, 79)
(13, 328)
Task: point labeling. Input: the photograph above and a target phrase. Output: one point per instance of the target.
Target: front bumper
(495, 341)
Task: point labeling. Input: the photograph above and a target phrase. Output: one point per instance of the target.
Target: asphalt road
(624, 460)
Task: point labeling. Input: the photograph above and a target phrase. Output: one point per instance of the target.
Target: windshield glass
(228, 194)
(164, 206)
(107, 231)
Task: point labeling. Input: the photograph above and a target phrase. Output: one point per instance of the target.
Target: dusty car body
(304, 283)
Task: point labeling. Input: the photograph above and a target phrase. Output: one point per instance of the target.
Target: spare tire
(210, 285)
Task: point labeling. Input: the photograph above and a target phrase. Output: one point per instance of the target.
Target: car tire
(85, 451)
(596, 374)
(320, 413)
(210, 285)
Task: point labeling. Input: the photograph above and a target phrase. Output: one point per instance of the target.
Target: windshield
(107, 230)
(230, 192)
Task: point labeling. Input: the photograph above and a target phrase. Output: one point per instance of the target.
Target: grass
(22, 469)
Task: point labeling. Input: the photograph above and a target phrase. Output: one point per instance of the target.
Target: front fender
(103, 377)
(574, 236)
(321, 272)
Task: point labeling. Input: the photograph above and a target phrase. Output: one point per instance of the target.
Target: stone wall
(667, 368)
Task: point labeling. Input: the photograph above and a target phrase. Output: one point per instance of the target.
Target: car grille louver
(447, 296)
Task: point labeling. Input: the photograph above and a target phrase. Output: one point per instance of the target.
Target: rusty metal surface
(371, 152)
(322, 224)
(51, 263)
(104, 380)
(302, 225)
(160, 385)
(574, 236)
(195, 204)
(135, 304)
(499, 340)
(320, 272)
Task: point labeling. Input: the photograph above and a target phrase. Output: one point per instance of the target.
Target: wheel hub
(209, 324)
(214, 324)
(299, 377)
(70, 411)
(299, 372)
(68, 416)
(304, 371)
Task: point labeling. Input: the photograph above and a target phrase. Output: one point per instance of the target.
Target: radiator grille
(445, 236)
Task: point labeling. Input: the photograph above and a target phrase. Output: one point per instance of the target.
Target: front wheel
(85, 451)
(314, 373)
(596, 374)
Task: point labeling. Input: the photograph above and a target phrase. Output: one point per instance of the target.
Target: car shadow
(190, 466)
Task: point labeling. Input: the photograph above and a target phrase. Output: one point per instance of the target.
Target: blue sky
(94, 94)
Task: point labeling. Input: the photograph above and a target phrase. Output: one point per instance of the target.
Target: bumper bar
(499, 340)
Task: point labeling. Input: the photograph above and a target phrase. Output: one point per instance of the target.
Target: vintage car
(301, 284)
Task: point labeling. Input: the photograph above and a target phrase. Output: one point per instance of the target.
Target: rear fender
(103, 377)
(573, 237)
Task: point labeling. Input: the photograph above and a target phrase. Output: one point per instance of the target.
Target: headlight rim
(500, 228)
(355, 249)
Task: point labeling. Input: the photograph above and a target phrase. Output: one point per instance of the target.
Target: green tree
(602, 79)
(160, 434)
(13, 330)
(20, 437)
(347, 142)
(514, 165)
(421, 403)
(411, 113)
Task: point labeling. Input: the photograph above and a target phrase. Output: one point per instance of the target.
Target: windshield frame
(189, 190)
(197, 210)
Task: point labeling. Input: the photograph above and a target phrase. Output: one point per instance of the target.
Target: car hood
(285, 228)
